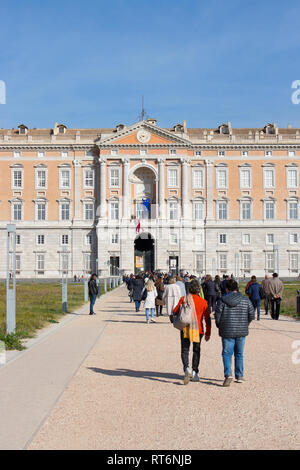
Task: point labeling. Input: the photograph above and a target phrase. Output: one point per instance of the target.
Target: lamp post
(64, 280)
(11, 290)
(237, 267)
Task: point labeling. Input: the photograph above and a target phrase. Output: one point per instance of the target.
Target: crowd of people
(207, 298)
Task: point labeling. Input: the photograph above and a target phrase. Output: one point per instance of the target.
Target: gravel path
(128, 392)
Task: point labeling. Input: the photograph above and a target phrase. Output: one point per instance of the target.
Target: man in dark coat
(234, 313)
(93, 292)
(137, 287)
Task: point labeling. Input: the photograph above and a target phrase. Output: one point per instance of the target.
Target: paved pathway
(128, 392)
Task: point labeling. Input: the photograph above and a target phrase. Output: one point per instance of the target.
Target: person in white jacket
(171, 296)
(150, 300)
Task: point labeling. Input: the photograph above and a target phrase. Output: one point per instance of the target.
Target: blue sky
(87, 63)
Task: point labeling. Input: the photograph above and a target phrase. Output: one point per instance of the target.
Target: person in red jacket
(189, 335)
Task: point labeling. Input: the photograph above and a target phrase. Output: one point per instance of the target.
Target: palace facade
(221, 200)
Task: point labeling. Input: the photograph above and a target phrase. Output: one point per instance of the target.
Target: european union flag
(146, 203)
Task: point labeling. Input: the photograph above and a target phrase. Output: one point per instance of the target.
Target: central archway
(144, 253)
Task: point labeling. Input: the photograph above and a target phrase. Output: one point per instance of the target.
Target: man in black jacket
(93, 292)
(234, 313)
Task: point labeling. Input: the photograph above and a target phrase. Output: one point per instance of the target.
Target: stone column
(161, 188)
(102, 162)
(209, 189)
(185, 189)
(77, 187)
(125, 194)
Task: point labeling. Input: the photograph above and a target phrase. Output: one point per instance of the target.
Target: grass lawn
(289, 302)
(38, 304)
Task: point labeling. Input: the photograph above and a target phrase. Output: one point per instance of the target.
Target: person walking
(254, 295)
(276, 291)
(171, 296)
(181, 285)
(266, 288)
(93, 292)
(194, 332)
(159, 302)
(137, 287)
(150, 299)
(234, 313)
(210, 293)
(217, 282)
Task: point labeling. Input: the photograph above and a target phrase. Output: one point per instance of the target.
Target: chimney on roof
(289, 126)
(184, 126)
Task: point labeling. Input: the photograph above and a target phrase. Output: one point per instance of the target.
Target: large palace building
(119, 200)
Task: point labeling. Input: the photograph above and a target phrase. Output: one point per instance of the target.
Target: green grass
(289, 302)
(38, 304)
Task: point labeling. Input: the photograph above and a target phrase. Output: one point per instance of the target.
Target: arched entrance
(144, 253)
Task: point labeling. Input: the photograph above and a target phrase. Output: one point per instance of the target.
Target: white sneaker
(195, 377)
(147, 321)
(187, 376)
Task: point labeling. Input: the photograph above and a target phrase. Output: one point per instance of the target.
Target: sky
(88, 63)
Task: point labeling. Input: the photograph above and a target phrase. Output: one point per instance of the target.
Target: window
(246, 239)
(221, 178)
(65, 180)
(270, 262)
(222, 210)
(65, 239)
(245, 178)
(268, 153)
(40, 239)
(65, 154)
(174, 238)
(294, 262)
(270, 210)
(221, 153)
(245, 153)
(143, 152)
(293, 210)
(87, 262)
(292, 178)
(114, 178)
(18, 239)
(65, 211)
(246, 210)
(41, 211)
(88, 239)
(61, 129)
(114, 152)
(269, 178)
(114, 210)
(22, 130)
(246, 260)
(41, 178)
(223, 261)
(293, 238)
(172, 177)
(198, 210)
(173, 210)
(89, 178)
(199, 239)
(115, 238)
(40, 263)
(64, 262)
(17, 211)
(199, 262)
(17, 154)
(198, 178)
(41, 154)
(17, 182)
(198, 153)
(18, 264)
(89, 211)
(292, 153)
(270, 238)
(89, 153)
(222, 239)
(172, 152)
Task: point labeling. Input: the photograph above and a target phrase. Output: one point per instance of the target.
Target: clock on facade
(143, 136)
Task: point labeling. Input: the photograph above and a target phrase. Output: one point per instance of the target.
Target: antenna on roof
(143, 114)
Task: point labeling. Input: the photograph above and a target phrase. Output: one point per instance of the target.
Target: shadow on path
(151, 375)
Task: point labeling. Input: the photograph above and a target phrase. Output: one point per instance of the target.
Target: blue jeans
(92, 303)
(147, 313)
(137, 305)
(233, 346)
(256, 305)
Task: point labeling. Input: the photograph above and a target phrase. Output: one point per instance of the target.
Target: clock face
(143, 136)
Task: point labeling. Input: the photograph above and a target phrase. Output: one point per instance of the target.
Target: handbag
(160, 302)
(184, 317)
(144, 294)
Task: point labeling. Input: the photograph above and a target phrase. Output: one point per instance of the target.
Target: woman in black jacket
(137, 287)
(210, 293)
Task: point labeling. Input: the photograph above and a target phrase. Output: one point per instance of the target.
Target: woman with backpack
(149, 295)
(194, 332)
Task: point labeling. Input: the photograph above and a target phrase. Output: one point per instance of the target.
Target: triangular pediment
(143, 133)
